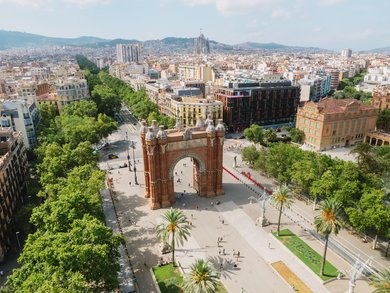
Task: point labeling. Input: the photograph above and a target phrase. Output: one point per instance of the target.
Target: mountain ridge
(15, 39)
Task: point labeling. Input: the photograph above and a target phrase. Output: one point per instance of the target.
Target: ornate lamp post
(128, 154)
(135, 169)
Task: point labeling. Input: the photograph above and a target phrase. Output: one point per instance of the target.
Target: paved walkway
(238, 230)
(125, 274)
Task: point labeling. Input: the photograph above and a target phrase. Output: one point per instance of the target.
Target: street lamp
(128, 154)
(135, 168)
(262, 200)
(17, 239)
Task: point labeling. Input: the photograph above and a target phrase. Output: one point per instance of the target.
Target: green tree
(269, 135)
(381, 281)
(365, 159)
(107, 100)
(383, 122)
(297, 135)
(328, 222)
(254, 133)
(81, 108)
(250, 154)
(372, 212)
(174, 229)
(201, 279)
(47, 113)
(88, 248)
(282, 198)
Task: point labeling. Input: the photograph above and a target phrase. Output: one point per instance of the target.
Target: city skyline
(329, 24)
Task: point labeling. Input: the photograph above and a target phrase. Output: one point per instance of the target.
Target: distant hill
(12, 39)
(385, 50)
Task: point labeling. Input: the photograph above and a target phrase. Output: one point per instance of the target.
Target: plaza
(234, 219)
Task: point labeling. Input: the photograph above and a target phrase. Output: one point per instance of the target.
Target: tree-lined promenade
(361, 189)
(109, 92)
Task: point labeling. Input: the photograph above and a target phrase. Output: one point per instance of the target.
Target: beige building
(13, 170)
(190, 109)
(381, 97)
(195, 72)
(333, 123)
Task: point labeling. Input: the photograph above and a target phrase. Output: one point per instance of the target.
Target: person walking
(238, 254)
(269, 245)
(223, 252)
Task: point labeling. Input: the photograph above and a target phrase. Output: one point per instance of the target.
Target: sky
(329, 24)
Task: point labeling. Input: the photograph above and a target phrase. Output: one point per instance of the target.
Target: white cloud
(280, 13)
(83, 3)
(234, 6)
(329, 2)
(33, 3)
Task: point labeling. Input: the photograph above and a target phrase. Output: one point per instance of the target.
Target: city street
(234, 220)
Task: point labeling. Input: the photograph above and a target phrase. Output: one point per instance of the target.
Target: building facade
(333, 123)
(13, 171)
(263, 103)
(346, 53)
(21, 116)
(381, 97)
(126, 53)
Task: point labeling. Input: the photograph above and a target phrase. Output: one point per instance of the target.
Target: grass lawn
(170, 280)
(306, 254)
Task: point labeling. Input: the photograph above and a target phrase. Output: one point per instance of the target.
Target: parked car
(112, 156)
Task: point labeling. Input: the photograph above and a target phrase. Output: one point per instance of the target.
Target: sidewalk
(126, 276)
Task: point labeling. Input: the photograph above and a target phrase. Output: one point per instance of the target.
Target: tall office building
(346, 53)
(126, 53)
(201, 45)
(263, 103)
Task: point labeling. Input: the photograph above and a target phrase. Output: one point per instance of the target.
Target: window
(318, 125)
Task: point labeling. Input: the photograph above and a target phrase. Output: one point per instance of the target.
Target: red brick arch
(162, 150)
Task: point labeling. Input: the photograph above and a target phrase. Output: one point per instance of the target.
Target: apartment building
(22, 116)
(263, 103)
(381, 97)
(13, 171)
(333, 123)
(129, 53)
(190, 109)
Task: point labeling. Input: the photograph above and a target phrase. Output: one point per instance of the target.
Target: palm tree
(202, 279)
(282, 197)
(174, 228)
(381, 281)
(328, 222)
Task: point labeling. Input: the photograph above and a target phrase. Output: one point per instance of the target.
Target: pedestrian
(1, 273)
(197, 207)
(181, 172)
(212, 203)
(223, 222)
(234, 253)
(219, 252)
(269, 245)
(129, 182)
(192, 216)
(221, 266)
(189, 185)
(223, 252)
(144, 264)
(221, 239)
(238, 254)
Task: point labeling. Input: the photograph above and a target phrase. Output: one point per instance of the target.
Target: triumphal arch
(163, 149)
